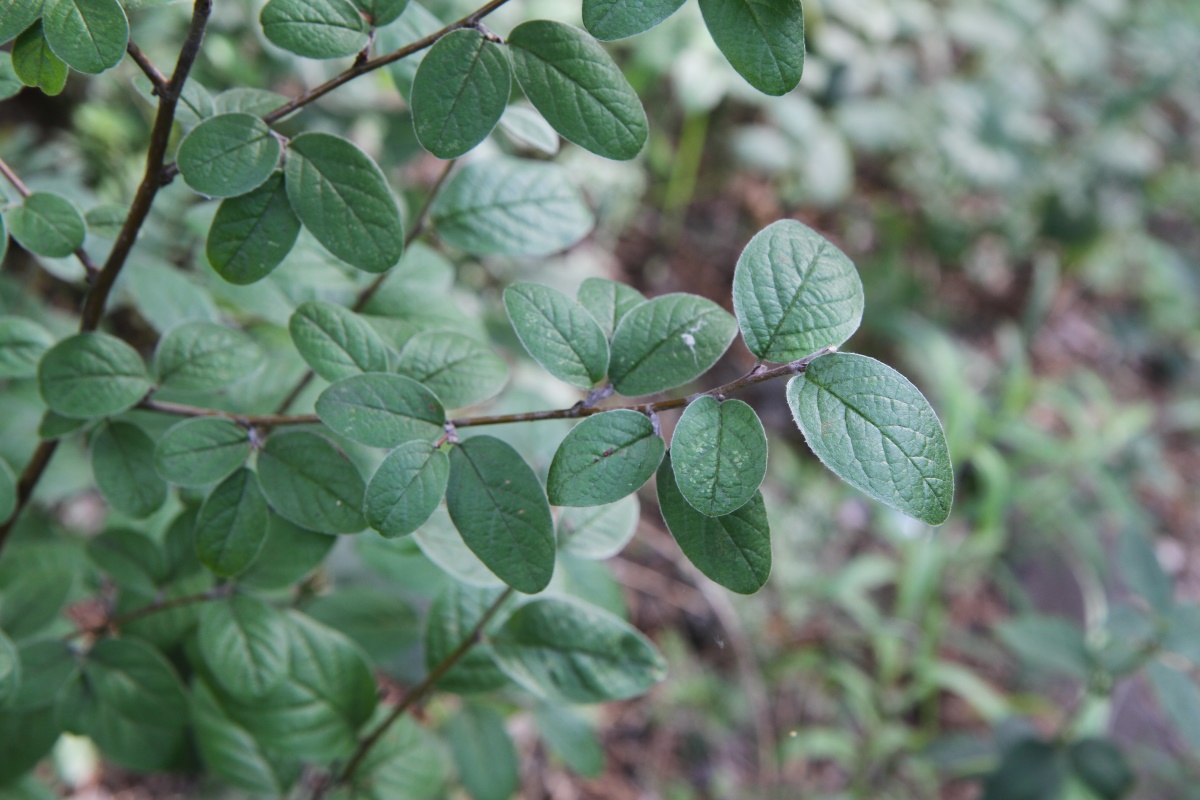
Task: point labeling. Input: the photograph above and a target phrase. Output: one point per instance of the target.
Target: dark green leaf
(383, 624)
(877, 432)
(460, 92)
(35, 63)
(309, 482)
(618, 19)
(106, 220)
(232, 524)
(228, 155)
(91, 375)
(764, 41)
(578, 88)
(1029, 770)
(558, 332)
(1050, 644)
(10, 670)
(336, 342)
(200, 451)
(341, 196)
(36, 582)
(457, 368)
(381, 410)
(483, 753)
(406, 489)
(131, 558)
(666, 342)
(289, 553)
(245, 644)
(28, 727)
(22, 343)
(90, 35)
(232, 754)
(1101, 765)
(604, 458)
(53, 426)
(454, 614)
(407, 763)
(570, 652)
(794, 293)
(733, 550)
(8, 490)
(500, 509)
(381, 12)
(315, 28)
(16, 16)
(47, 224)
(608, 301)
(719, 450)
(571, 738)
(512, 208)
(204, 356)
(252, 234)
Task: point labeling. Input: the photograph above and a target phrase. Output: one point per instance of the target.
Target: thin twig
(27, 482)
(245, 420)
(159, 80)
(146, 611)
(89, 266)
(12, 178)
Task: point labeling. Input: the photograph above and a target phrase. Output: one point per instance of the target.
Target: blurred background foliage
(1019, 184)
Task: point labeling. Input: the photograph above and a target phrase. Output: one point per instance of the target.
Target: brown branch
(157, 79)
(12, 178)
(146, 611)
(26, 483)
(245, 420)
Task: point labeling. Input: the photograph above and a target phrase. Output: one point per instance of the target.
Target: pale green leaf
(8, 490)
(608, 301)
(458, 369)
(204, 356)
(442, 545)
(525, 127)
(453, 615)
(719, 450)
(106, 220)
(247, 100)
(559, 333)
(415, 23)
(22, 343)
(228, 155)
(598, 532)
(10, 670)
(1048, 644)
(47, 224)
(571, 737)
(483, 752)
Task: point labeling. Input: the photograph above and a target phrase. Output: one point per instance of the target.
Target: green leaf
(500, 509)
(617, 19)
(1179, 699)
(232, 754)
(288, 555)
(336, 342)
(22, 343)
(232, 524)
(719, 450)
(604, 458)
(16, 16)
(733, 550)
(381, 12)
(764, 41)
(877, 432)
(483, 752)
(251, 235)
(8, 490)
(457, 368)
(381, 410)
(90, 35)
(578, 88)
(228, 155)
(1029, 770)
(571, 737)
(441, 543)
(106, 220)
(315, 28)
(666, 342)
(200, 451)
(204, 356)
(341, 196)
(598, 532)
(309, 482)
(1101, 765)
(131, 558)
(452, 616)
(91, 375)
(47, 224)
(1049, 644)
(54, 426)
(35, 63)
(10, 670)
(406, 489)
(28, 727)
(511, 208)
(415, 23)
(525, 127)
(408, 762)
(570, 652)
(247, 100)
(460, 92)
(384, 624)
(1142, 573)
(794, 293)
(608, 301)
(245, 644)
(558, 332)
(38, 581)
(123, 466)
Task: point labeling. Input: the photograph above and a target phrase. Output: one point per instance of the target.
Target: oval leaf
(406, 489)
(558, 332)
(200, 451)
(608, 301)
(598, 532)
(733, 550)
(341, 196)
(22, 343)
(1101, 765)
(47, 224)
(483, 752)
(604, 458)
(570, 652)
(252, 234)
(287, 556)
(244, 642)
(763, 41)
(35, 63)
(90, 35)
(460, 92)
(499, 507)
(309, 482)
(8, 490)
(511, 208)
(720, 454)
(794, 293)
(569, 77)
(458, 369)
(336, 342)
(381, 410)
(17, 16)
(123, 466)
(228, 155)
(666, 342)
(453, 615)
(204, 356)
(232, 524)
(10, 670)
(91, 375)
(315, 28)
(618, 19)
(877, 432)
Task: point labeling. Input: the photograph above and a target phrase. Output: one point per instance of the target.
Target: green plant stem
(413, 696)
(89, 266)
(103, 279)
(147, 611)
